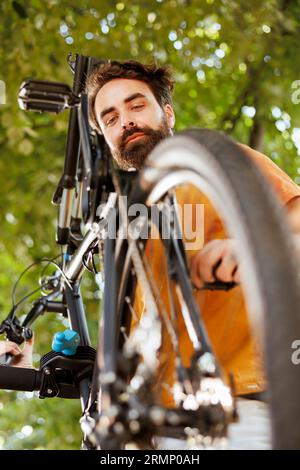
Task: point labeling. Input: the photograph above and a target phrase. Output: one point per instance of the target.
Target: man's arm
(223, 252)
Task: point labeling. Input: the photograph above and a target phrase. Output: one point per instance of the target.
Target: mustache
(128, 133)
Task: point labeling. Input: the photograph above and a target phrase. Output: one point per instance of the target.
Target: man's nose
(127, 122)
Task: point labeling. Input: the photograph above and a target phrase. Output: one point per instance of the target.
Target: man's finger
(25, 358)
(237, 275)
(11, 348)
(204, 261)
(228, 266)
(207, 260)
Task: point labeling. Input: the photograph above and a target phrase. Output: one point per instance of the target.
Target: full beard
(134, 154)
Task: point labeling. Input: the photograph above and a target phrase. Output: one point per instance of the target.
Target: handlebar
(21, 379)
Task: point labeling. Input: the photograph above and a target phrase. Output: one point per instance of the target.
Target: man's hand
(221, 253)
(22, 358)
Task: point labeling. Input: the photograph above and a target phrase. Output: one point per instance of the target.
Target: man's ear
(170, 115)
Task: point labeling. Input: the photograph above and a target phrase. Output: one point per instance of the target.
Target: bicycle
(117, 383)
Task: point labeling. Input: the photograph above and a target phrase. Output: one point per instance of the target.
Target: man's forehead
(117, 90)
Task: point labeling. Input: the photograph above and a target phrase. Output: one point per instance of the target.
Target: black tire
(253, 215)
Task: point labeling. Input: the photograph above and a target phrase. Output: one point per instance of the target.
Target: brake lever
(218, 285)
(14, 331)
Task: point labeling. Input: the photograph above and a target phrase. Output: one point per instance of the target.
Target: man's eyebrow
(127, 100)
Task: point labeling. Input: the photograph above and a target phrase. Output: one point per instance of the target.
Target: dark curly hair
(159, 79)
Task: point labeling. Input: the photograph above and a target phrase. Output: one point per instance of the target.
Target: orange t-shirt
(224, 313)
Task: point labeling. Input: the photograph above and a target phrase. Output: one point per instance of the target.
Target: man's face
(131, 120)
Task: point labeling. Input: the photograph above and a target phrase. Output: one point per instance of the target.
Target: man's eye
(138, 106)
(110, 121)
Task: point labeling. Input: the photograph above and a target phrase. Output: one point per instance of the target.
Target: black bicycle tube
(76, 313)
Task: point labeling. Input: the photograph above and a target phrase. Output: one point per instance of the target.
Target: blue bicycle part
(66, 342)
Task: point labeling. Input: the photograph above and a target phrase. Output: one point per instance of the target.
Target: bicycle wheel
(251, 214)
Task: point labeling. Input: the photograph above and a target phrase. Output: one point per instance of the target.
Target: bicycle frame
(81, 189)
(78, 195)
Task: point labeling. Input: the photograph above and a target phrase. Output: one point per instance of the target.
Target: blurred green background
(236, 64)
